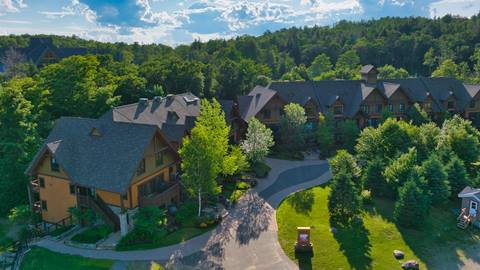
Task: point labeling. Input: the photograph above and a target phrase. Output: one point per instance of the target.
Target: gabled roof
(250, 105)
(106, 162)
(367, 69)
(469, 192)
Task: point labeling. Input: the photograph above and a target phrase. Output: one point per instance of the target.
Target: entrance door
(473, 208)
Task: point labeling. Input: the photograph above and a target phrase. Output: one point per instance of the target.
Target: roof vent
(170, 97)
(428, 94)
(190, 100)
(143, 101)
(450, 93)
(95, 132)
(158, 99)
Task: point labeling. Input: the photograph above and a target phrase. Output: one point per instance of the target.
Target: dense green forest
(31, 97)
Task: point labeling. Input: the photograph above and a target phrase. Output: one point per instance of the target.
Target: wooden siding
(43, 167)
(57, 195)
(150, 167)
(134, 187)
(275, 106)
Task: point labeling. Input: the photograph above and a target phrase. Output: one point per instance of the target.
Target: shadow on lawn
(304, 260)
(354, 243)
(438, 241)
(302, 202)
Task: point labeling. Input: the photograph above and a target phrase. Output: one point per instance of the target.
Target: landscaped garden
(43, 259)
(369, 242)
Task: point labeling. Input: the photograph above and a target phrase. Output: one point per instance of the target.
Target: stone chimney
(369, 74)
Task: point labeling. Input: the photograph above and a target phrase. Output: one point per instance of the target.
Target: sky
(174, 22)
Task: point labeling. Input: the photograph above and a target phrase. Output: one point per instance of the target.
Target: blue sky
(175, 22)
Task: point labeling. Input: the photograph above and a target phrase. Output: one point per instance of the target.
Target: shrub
(140, 236)
(186, 214)
(236, 195)
(92, 235)
(412, 205)
(261, 169)
(243, 185)
(58, 231)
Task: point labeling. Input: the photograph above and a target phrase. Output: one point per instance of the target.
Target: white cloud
(11, 6)
(15, 22)
(465, 8)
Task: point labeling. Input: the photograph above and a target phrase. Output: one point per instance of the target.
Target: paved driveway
(246, 239)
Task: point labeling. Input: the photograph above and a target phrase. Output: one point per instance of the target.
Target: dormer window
(365, 108)
(338, 109)
(141, 167)
(95, 132)
(172, 116)
(54, 165)
(450, 105)
(390, 107)
(401, 107)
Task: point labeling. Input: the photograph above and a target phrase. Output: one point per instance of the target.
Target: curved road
(246, 238)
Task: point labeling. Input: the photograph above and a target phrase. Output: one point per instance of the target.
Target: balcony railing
(161, 198)
(37, 207)
(35, 184)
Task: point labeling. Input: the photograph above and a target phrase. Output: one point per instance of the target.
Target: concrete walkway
(246, 238)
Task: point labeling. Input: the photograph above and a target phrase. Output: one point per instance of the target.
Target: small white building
(471, 202)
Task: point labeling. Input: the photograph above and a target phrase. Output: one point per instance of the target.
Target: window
(159, 158)
(450, 105)
(427, 106)
(54, 165)
(156, 185)
(141, 167)
(365, 108)
(390, 107)
(472, 103)
(124, 197)
(378, 108)
(72, 189)
(41, 182)
(401, 107)
(170, 173)
(338, 109)
(44, 205)
(267, 114)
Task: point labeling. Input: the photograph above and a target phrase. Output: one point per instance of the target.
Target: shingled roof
(185, 106)
(106, 160)
(352, 93)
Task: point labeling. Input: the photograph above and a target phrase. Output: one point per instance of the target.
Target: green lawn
(43, 259)
(368, 244)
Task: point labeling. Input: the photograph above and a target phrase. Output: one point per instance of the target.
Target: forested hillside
(31, 97)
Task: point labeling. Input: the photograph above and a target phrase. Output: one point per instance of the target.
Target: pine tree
(347, 162)
(373, 179)
(343, 201)
(433, 172)
(457, 175)
(412, 205)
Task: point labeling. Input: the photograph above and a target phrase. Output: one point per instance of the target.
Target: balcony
(170, 194)
(35, 185)
(37, 207)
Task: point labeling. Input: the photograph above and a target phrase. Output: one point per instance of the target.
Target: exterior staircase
(463, 220)
(102, 209)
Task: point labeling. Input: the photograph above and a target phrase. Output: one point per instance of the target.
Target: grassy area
(92, 235)
(43, 259)
(368, 244)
